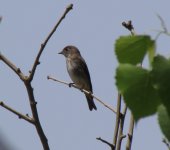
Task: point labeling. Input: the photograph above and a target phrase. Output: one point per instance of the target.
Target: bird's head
(70, 51)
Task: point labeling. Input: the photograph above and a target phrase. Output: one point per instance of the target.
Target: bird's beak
(60, 52)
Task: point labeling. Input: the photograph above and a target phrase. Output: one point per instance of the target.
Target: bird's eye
(66, 49)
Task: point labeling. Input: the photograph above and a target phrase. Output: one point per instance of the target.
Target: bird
(78, 72)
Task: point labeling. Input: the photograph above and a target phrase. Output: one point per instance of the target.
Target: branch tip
(1, 103)
(69, 7)
(106, 142)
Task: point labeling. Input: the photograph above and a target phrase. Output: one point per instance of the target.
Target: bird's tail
(90, 102)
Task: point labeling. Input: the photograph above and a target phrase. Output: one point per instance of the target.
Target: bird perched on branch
(78, 72)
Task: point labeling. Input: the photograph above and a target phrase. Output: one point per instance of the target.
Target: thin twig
(164, 28)
(106, 142)
(121, 136)
(130, 133)
(85, 91)
(118, 116)
(20, 115)
(36, 63)
(12, 66)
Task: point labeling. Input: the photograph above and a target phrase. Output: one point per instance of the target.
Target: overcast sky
(92, 26)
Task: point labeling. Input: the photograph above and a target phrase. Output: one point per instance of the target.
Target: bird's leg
(70, 84)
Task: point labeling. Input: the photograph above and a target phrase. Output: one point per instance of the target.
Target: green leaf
(164, 121)
(135, 85)
(161, 79)
(132, 49)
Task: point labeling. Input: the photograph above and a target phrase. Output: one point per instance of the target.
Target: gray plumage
(78, 72)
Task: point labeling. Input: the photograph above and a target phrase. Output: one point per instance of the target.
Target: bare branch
(121, 136)
(29, 88)
(36, 63)
(33, 105)
(21, 116)
(27, 82)
(118, 116)
(85, 91)
(130, 133)
(104, 141)
(12, 66)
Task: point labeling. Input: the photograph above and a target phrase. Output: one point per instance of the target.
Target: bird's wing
(82, 70)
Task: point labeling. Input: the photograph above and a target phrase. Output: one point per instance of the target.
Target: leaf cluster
(145, 91)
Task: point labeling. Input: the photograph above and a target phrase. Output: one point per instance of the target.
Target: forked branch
(27, 82)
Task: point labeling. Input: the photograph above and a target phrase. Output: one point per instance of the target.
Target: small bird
(78, 72)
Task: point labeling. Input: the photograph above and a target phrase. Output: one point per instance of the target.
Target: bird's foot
(81, 89)
(70, 84)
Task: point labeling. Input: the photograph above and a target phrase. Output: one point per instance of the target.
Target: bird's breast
(75, 73)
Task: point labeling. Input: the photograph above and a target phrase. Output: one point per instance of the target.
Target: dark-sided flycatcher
(78, 71)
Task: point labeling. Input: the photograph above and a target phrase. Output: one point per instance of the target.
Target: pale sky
(92, 26)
